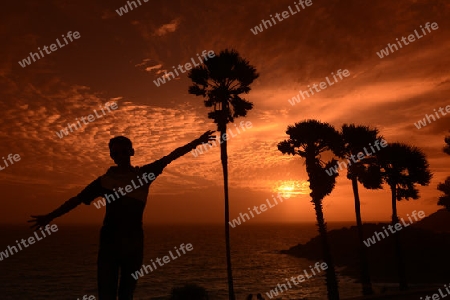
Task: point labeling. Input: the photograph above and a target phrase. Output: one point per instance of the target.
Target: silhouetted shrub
(189, 292)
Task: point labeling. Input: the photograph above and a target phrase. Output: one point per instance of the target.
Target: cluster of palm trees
(398, 165)
(223, 79)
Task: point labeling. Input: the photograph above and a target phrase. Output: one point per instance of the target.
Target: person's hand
(39, 221)
(206, 137)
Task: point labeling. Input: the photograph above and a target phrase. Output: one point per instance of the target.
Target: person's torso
(126, 197)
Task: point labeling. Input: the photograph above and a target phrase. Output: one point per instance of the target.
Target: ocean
(63, 266)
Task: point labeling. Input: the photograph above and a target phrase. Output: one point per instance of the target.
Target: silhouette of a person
(121, 236)
(259, 297)
(249, 297)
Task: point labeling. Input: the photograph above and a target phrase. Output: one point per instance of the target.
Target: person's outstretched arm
(42, 220)
(92, 191)
(203, 139)
(157, 166)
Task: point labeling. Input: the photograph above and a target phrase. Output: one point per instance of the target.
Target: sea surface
(63, 266)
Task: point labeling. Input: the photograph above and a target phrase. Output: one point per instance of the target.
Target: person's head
(120, 150)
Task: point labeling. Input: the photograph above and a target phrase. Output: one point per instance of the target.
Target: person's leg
(107, 268)
(131, 261)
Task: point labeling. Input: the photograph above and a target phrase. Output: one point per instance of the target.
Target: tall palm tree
(221, 80)
(403, 167)
(367, 172)
(309, 139)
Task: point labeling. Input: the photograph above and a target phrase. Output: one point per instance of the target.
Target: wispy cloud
(157, 67)
(166, 28)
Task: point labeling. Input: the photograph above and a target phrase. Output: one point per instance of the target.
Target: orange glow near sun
(290, 188)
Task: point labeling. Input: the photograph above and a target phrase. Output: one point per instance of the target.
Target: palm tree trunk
(224, 158)
(398, 245)
(312, 167)
(331, 280)
(365, 275)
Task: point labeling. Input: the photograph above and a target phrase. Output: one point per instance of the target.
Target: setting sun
(289, 188)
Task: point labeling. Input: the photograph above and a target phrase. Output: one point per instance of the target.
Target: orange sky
(117, 58)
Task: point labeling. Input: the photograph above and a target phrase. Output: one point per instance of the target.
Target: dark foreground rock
(426, 251)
